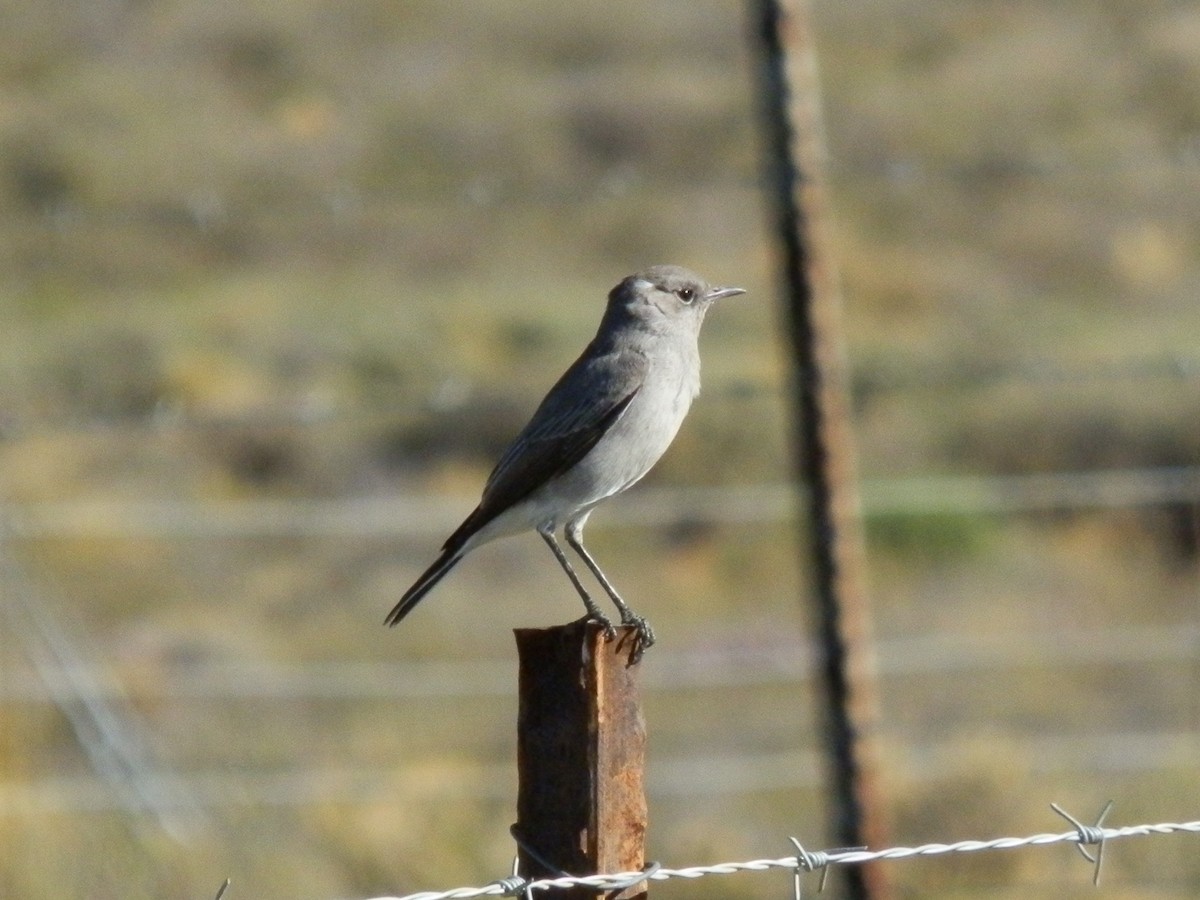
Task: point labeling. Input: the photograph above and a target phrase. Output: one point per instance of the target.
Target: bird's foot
(643, 634)
(610, 630)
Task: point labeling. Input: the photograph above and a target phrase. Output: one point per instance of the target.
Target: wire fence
(344, 203)
(423, 515)
(187, 801)
(784, 658)
(876, 377)
(131, 689)
(1089, 839)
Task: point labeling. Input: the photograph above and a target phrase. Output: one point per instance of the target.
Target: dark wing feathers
(578, 411)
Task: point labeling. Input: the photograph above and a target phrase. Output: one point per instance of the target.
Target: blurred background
(278, 280)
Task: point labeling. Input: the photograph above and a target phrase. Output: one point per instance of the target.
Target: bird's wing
(578, 411)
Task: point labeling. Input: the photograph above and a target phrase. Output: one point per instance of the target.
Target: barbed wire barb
(515, 885)
(1089, 835)
(807, 862)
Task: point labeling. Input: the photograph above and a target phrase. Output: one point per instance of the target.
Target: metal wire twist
(1081, 835)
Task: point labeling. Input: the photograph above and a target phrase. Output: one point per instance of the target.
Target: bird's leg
(645, 634)
(594, 612)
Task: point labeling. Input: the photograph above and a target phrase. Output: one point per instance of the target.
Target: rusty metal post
(825, 447)
(581, 745)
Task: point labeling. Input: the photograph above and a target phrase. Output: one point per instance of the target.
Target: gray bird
(599, 430)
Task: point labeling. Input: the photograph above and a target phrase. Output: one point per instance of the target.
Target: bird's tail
(431, 576)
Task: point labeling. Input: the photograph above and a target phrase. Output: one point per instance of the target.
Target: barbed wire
(804, 862)
(414, 515)
(873, 379)
(783, 657)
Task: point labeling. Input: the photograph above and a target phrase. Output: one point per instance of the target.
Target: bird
(599, 430)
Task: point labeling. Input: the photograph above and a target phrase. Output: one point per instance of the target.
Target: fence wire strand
(1082, 836)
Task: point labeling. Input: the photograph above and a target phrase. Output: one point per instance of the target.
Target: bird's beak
(718, 293)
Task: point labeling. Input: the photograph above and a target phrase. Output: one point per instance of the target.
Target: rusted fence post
(824, 446)
(581, 742)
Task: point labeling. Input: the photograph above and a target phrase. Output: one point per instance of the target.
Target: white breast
(639, 438)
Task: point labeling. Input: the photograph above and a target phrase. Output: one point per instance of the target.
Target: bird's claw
(643, 637)
(606, 625)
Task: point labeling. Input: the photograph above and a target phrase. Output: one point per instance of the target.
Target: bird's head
(662, 296)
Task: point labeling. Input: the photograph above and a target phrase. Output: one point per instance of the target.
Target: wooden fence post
(581, 740)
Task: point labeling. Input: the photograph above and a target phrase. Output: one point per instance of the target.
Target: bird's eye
(685, 294)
